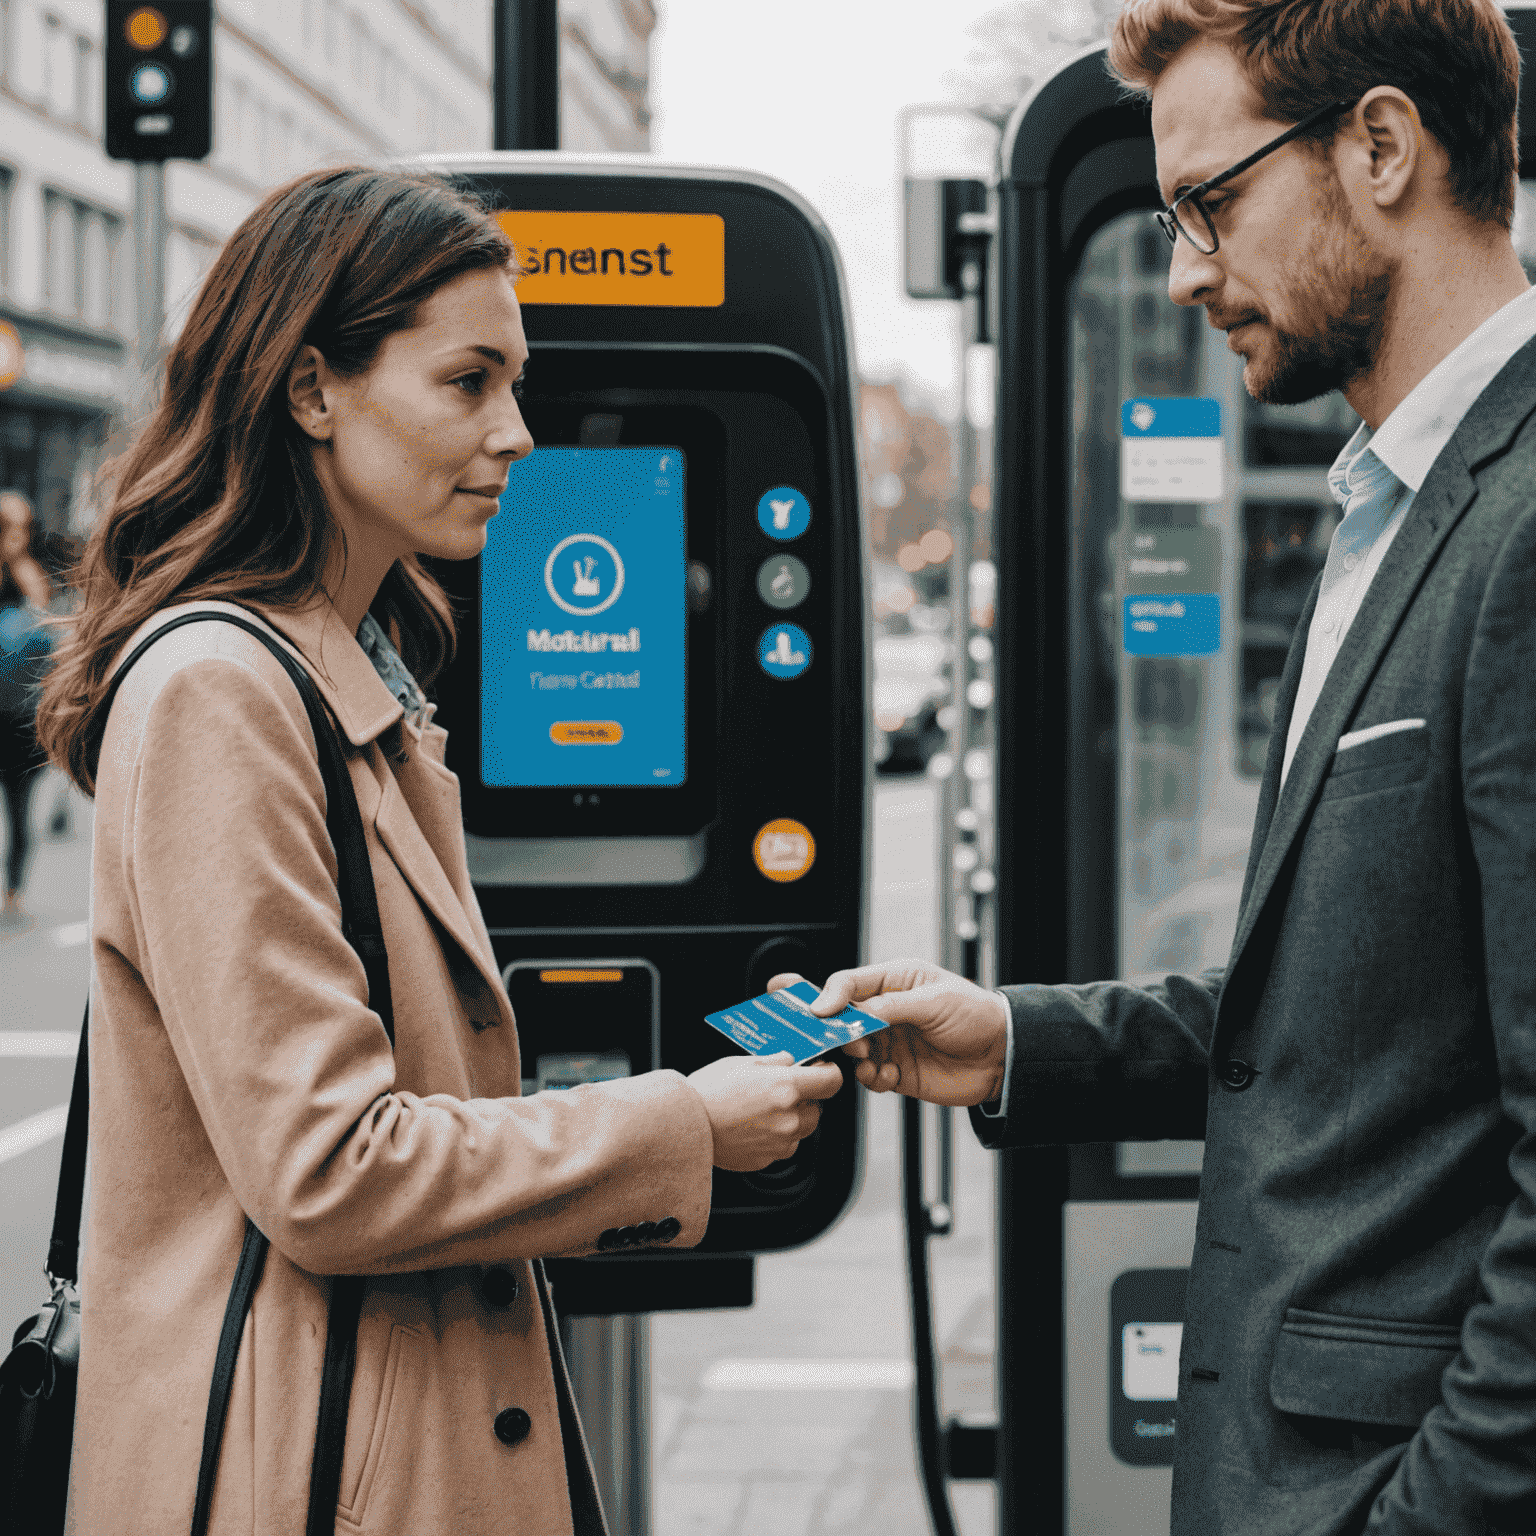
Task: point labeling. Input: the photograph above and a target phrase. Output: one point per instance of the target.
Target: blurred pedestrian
(341, 401)
(25, 596)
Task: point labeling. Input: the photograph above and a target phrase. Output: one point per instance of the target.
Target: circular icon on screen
(784, 650)
(783, 581)
(783, 513)
(584, 574)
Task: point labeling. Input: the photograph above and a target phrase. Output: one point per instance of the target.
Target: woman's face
(414, 453)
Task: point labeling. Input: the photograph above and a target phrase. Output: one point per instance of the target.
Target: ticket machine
(657, 709)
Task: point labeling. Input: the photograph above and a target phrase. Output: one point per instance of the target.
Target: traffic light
(159, 79)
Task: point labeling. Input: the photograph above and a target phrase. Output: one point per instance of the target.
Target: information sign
(1171, 450)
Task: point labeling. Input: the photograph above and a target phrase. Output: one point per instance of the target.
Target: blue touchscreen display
(583, 589)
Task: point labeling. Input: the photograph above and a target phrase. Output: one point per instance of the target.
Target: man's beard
(1341, 306)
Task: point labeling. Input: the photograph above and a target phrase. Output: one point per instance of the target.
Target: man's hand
(761, 1107)
(948, 1040)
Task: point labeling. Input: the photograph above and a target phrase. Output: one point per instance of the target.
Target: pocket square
(1371, 732)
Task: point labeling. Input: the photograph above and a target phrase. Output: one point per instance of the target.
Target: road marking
(808, 1376)
(39, 1042)
(71, 935)
(32, 1132)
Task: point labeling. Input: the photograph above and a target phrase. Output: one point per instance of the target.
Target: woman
(25, 593)
(340, 402)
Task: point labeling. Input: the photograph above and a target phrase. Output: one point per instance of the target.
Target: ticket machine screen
(583, 617)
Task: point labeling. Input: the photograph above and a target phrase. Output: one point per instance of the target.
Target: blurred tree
(908, 459)
(1018, 45)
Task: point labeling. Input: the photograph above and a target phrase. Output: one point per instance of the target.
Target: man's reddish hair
(1456, 59)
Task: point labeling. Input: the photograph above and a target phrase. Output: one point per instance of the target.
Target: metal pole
(527, 70)
(149, 274)
(609, 1359)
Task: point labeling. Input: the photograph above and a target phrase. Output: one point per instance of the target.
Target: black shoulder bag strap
(360, 924)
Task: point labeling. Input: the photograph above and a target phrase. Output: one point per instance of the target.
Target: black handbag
(37, 1378)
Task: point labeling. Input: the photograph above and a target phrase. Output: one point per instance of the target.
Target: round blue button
(784, 650)
(783, 513)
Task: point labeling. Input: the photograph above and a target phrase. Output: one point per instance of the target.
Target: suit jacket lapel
(1447, 492)
(1274, 760)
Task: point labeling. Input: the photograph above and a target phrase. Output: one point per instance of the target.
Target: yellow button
(146, 27)
(586, 733)
(784, 849)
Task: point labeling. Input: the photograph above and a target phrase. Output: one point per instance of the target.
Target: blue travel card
(783, 1021)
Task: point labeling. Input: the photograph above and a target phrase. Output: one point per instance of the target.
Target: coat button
(667, 1229)
(499, 1286)
(645, 1232)
(625, 1237)
(609, 1239)
(512, 1426)
(1236, 1075)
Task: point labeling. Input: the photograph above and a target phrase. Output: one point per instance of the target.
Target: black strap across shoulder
(360, 924)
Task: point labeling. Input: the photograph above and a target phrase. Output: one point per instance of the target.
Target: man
(1359, 1351)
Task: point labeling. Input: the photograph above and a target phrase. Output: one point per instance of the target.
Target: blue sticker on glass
(784, 650)
(1181, 416)
(783, 513)
(1173, 623)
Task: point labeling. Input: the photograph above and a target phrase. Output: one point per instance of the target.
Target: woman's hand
(761, 1108)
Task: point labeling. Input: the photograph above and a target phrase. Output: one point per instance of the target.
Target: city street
(791, 1418)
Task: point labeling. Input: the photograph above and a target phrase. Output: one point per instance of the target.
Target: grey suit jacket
(1359, 1350)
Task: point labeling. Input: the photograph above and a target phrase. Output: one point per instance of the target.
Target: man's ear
(308, 403)
(1392, 128)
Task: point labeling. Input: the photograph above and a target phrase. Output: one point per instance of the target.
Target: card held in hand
(783, 1021)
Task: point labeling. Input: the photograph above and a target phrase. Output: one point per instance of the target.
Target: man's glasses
(1188, 215)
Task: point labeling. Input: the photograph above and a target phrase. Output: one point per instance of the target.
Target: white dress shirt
(1407, 443)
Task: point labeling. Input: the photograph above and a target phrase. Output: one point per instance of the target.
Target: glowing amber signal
(581, 975)
(147, 27)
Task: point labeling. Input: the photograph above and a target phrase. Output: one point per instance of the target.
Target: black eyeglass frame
(1168, 218)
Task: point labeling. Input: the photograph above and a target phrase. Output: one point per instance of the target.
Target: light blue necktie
(1369, 492)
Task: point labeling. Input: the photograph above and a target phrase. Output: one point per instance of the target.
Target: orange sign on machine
(657, 259)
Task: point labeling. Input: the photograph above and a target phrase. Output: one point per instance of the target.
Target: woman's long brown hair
(218, 497)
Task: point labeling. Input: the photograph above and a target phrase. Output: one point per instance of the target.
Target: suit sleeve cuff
(994, 1109)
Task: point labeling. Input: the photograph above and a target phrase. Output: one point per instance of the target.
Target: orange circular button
(784, 849)
(586, 733)
(147, 27)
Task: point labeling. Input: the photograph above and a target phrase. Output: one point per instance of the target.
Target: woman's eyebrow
(495, 354)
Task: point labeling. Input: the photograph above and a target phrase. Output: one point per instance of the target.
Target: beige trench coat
(235, 1067)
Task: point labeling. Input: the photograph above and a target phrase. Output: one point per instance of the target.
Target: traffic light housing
(159, 79)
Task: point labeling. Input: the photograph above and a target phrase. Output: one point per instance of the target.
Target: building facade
(297, 84)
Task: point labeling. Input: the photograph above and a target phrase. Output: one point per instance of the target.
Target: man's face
(1295, 282)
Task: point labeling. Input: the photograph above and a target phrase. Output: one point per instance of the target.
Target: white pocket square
(1371, 732)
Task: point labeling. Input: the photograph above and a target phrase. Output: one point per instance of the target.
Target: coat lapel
(400, 832)
(366, 709)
